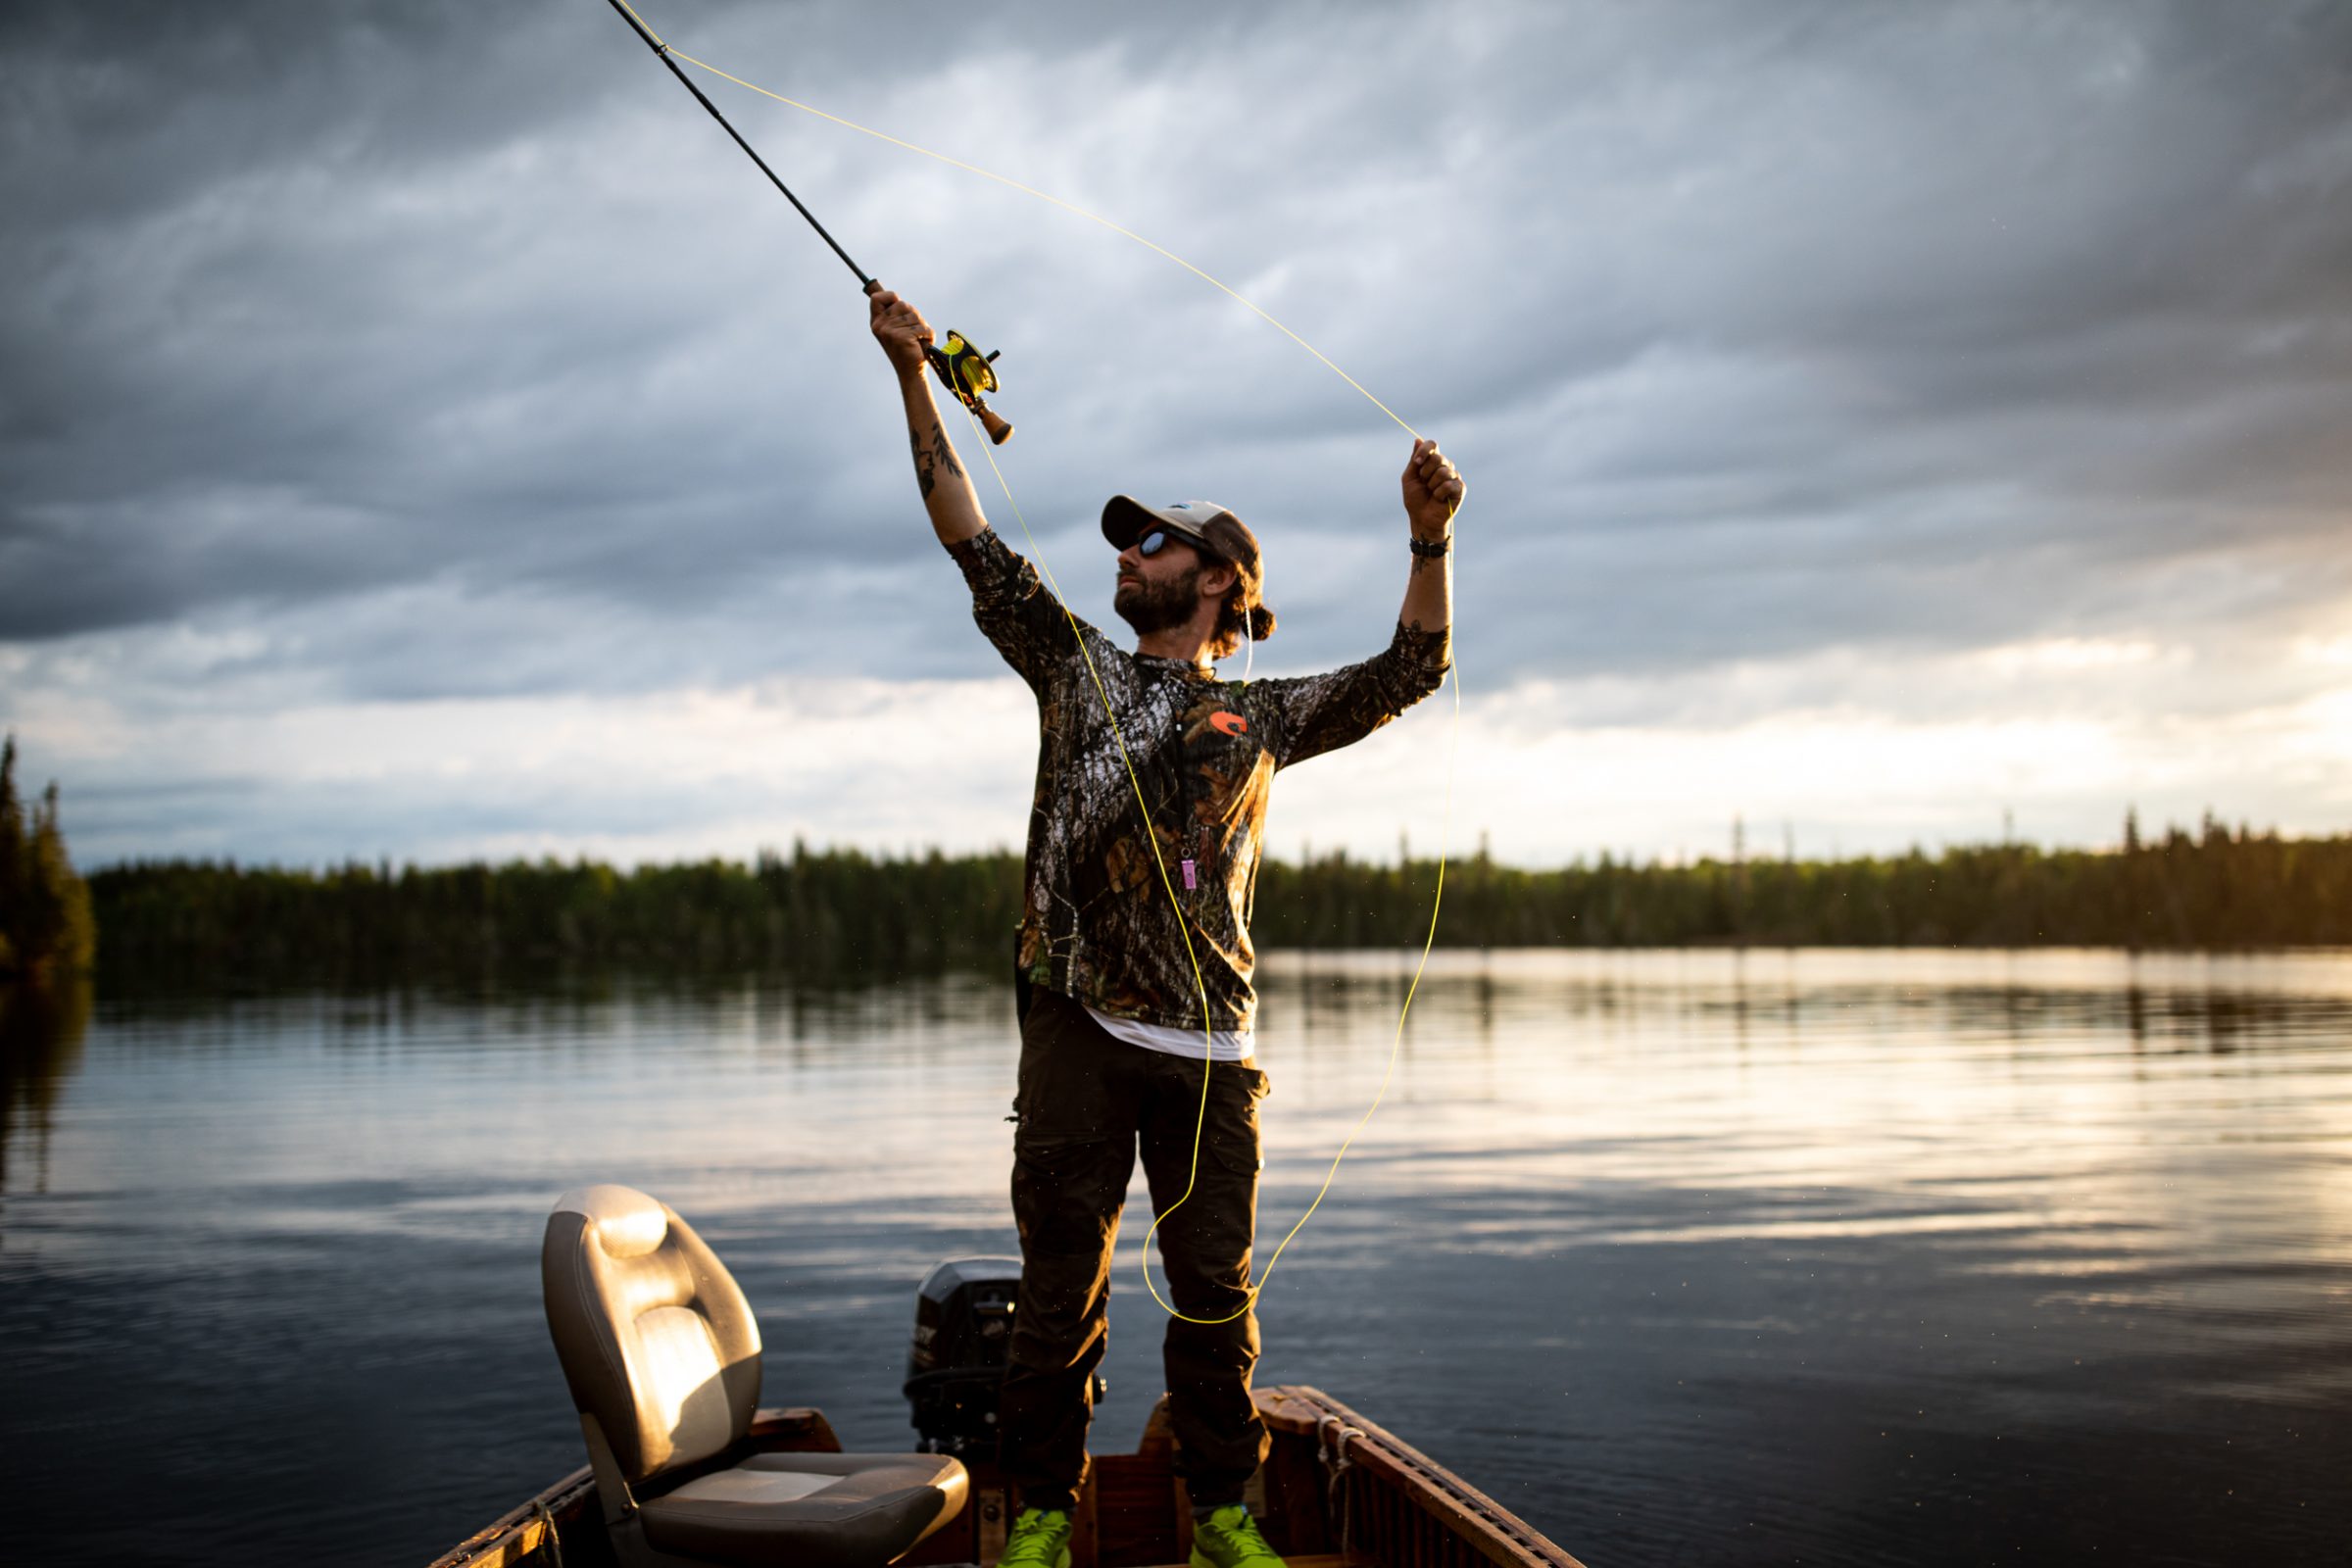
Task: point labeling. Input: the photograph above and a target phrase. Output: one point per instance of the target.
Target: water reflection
(2210, 1002)
(41, 1028)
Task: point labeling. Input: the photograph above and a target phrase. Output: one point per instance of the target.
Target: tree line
(842, 910)
(2213, 888)
(822, 911)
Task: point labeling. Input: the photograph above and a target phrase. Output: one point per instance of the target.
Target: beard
(1150, 606)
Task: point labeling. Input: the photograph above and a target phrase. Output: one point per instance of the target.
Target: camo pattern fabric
(1098, 923)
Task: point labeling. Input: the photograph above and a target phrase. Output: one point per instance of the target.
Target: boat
(1337, 1489)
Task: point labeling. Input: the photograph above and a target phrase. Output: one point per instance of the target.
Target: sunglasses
(1158, 539)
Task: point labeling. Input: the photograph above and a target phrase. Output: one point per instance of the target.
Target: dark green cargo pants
(1087, 1099)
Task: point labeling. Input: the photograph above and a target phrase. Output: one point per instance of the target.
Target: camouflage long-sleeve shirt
(1097, 921)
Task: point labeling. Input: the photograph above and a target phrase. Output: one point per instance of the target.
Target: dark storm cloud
(450, 350)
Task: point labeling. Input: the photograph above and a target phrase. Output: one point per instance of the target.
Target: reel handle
(998, 429)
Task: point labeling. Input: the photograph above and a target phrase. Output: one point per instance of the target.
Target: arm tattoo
(923, 463)
(928, 464)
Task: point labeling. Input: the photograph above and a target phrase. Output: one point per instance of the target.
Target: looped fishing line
(1151, 833)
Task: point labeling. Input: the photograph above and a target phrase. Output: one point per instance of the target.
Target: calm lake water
(1887, 1257)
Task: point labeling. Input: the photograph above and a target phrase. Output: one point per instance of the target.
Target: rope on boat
(1331, 1448)
(1331, 1452)
(553, 1542)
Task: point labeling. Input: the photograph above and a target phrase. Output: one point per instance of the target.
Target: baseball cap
(1203, 525)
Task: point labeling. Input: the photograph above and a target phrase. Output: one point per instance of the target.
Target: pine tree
(45, 921)
(13, 891)
(72, 934)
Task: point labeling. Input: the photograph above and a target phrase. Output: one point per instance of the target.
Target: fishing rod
(966, 372)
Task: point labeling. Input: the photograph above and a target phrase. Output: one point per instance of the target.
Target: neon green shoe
(1040, 1538)
(1229, 1538)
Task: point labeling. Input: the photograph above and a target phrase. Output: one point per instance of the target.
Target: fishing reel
(969, 373)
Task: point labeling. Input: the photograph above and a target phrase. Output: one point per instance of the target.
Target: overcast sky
(422, 434)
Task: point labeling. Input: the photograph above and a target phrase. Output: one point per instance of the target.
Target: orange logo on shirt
(1229, 723)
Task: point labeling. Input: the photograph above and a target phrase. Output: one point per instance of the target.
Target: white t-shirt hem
(1225, 1045)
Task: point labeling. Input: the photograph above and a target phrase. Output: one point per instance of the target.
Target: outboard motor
(962, 1334)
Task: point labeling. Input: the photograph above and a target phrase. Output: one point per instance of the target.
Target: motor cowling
(963, 1316)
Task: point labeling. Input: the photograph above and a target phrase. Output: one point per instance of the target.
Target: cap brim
(1125, 519)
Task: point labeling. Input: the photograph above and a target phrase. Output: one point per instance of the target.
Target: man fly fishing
(1123, 929)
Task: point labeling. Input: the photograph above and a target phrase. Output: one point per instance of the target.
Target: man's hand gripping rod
(960, 364)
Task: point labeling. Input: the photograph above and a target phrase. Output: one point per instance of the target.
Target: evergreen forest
(842, 911)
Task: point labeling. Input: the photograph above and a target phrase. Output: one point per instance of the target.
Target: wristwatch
(1432, 548)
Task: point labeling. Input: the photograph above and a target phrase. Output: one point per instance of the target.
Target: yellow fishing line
(1151, 833)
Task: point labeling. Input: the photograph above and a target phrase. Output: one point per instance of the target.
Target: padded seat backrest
(656, 1341)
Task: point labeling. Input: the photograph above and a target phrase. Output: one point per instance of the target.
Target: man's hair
(1226, 640)
(1237, 547)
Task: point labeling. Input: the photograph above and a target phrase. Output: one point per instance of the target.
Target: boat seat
(662, 1354)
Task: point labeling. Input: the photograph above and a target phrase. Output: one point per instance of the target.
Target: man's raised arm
(948, 494)
(1432, 493)
(1009, 602)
